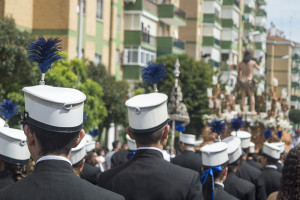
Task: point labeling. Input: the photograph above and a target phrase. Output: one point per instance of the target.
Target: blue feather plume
(279, 134)
(236, 123)
(8, 109)
(153, 73)
(217, 126)
(94, 132)
(180, 128)
(45, 52)
(268, 133)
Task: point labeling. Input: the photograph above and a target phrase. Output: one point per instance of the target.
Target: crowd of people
(53, 158)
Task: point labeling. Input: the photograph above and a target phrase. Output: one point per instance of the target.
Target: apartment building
(279, 64)
(102, 27)
(150, 30)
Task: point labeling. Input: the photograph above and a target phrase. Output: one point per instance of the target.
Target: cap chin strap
(210, 172)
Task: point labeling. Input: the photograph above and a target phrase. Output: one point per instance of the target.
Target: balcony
(211, 19)
(231, 3)
(140, 5)
(169, 45)
(260, 46)
(229, 45)
(228, 23)
(261, 29)
(248, 10)
(261, 2)
(261, 12)
(211, 42)
(248, 26)
(138, 38)
(172, 15)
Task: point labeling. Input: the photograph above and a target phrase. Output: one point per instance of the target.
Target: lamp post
(176, 73)
(176, 107)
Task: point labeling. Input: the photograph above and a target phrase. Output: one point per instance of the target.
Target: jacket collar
(148, 153)
(55, 166)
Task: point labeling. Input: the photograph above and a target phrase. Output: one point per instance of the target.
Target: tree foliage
(115, 94)
(72, 74)
(294, 116)
(194, 79)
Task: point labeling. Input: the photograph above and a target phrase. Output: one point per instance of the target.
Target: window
(98, 58)
(117, 56)
(99, 9)
(119, 22)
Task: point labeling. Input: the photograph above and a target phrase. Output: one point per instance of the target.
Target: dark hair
(207, 187)
(235, 164)
(15, 171)
(247, 56)
(290, 180)
(148, 138)
(115, 143)
(270, 160)
(53, 142)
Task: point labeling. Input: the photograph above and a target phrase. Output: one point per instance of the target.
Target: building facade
(151, 30)
(102, 27)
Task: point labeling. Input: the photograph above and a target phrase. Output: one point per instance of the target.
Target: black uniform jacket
(253, 175)
(279, 167)
(238, 187)
(55, 180)
(119, 158)
(221, 194)
(255, 164)
(272, 179)
(148, 176)
(90, 173)
(5, 179)
(189, 159)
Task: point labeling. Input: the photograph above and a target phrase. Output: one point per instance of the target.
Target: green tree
(115, 94)
(15, 70)
(194, 79)
(294, 116)
(72, 74)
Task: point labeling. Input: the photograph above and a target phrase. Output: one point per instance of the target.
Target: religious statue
(245, 80)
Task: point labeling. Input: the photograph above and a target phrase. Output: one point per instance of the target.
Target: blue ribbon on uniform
(210, 172)
(130, 154)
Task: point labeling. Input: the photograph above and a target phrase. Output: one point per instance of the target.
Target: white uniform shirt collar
(190, 149)
(271, 166)
(221, 184)
(52, 157)
(153, 148)
(280, 162)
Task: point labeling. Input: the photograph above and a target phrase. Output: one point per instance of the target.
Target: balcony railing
(136, 38)
(231, 3)
(178, 44)
(211, 18)
(261, 12)
(179, 13)
(149, 5)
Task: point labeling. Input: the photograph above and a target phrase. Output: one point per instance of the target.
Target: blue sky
(285, 14)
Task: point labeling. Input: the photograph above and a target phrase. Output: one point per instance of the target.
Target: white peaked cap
(271, 150)
(13, 146)
(2, 122)
(244, 136)
(90, 144)
(54, 108)
(252, 147)
(281, 145)
(78, 153)
(214, 154)
(147, 112)
(131, 143)
(187, 139)
(234, 148)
